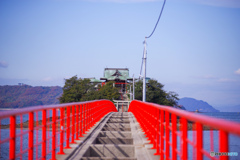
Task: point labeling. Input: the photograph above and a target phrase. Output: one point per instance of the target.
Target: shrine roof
(113, 74)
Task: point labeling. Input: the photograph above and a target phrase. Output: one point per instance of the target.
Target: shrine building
(120, 77)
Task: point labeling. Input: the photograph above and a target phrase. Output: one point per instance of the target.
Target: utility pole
(133, 88)
(130, 92)
(144, 70)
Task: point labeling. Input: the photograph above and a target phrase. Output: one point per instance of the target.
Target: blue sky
(195, 50)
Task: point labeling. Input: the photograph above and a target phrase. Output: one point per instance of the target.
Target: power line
(157, 20)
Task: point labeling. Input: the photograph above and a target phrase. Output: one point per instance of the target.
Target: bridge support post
(223, 144)
(158, 133)
(12, 146)
(167, 134)
(61, 131)
(77, 122)
(30, 136)
(184, 138)
(174, 136)
(68, 128)
(54, 134)
(73, 124)
(44, 134)
(199, 141)
(162, 135)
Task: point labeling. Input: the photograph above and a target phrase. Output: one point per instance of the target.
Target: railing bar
(36, 135)
(20, 134)
(21, 138)
(190, 142)
(177, 151)
(22, 152)
(179, 134)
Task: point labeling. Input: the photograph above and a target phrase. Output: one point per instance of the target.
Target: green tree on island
(77, 90)
(155, 93)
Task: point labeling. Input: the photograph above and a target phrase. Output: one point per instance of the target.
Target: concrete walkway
(116, 137)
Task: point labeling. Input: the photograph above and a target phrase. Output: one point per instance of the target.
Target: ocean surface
(231, 116)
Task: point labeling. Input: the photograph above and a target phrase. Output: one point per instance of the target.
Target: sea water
(231, 116)
(4, 148)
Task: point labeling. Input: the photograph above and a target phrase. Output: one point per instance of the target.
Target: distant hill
(192, 104)
(19, 96)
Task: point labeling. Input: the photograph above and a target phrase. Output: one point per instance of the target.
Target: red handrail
(83, 115)
(158, 121)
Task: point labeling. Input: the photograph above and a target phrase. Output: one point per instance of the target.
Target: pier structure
(95, 130)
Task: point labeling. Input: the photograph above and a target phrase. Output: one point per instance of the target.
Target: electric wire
(152, 34)
(157, 20)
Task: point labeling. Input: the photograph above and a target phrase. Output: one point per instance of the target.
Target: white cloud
(47, 79)
(3, 64)
(226, 80)
(219, 3)
(208, 76)
(124, 1)
(237, 71)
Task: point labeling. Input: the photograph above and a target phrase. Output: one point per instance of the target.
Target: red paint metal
(162, 135)
(68, 129)
(73, 124)
(12, 137)
(223, 145)
(44, 135)
(53, 134)
(30, 136)
(77, 122)
(199, 138)
(90, 113)
(174, 137)
(143, 112)
(61, 131)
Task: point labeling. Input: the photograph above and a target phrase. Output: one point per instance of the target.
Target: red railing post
(12, 144)
(73, 124)
(68, 129)
(167, 135)
(162, 135)
(223, 144)
(174, 136)
(158, 132)
(84, 118)
(184, 139)
(199, 138)
(77, 122)
(53, 134)
(144, 113)
(30, 136)
(44, 134)
(61, 131)
(81, 120)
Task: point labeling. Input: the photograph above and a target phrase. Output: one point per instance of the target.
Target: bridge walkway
(116, 136)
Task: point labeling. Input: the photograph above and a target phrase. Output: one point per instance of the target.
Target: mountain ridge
(192, 104)
(20, 96)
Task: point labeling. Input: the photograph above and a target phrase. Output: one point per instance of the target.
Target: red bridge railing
(167, 129)
(41, 132)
